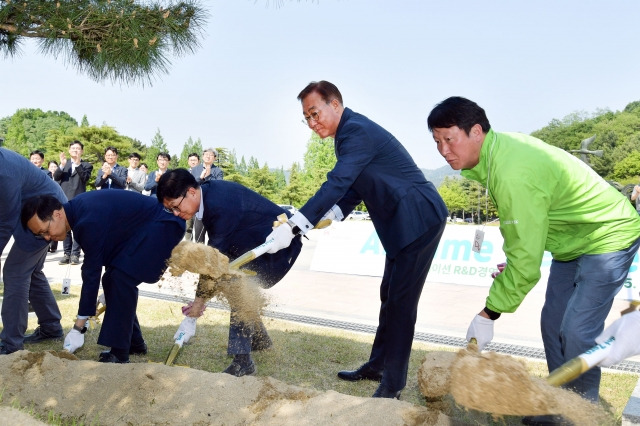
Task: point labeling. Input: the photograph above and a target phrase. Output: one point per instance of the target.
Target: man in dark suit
(236, 220)
(128, 234)
(73, 177)
(407, 212)
(23, 278)
(111, 175)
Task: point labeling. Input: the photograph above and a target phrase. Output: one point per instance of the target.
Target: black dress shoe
(365, 372)
(109, 357)
(5, 351)
(40, 336)
(383, 392)
(239, 370)
(138, 350)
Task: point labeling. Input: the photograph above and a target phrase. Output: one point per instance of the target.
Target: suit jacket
(138, 179)
(73, 183)
(237, 220)
(196, 171)
(123, 230)
(118, 178)
(375, 168)
(216, 174)
(20, 181)
(151, 184)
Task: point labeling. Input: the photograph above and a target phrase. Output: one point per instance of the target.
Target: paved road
(445, 309)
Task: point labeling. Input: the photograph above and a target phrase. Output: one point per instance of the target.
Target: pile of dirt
(501, 384)
(137, 393)
(241, 292)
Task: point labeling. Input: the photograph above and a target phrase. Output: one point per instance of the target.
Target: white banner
(353, 247)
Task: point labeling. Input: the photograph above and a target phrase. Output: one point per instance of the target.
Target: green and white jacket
(547, 199)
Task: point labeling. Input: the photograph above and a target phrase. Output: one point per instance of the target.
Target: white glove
(281, 236)
(334, 214)
(626, 331)
(188, 328)
(482, 329)
(73, 341)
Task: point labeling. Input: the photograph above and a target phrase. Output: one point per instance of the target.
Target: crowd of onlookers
(74, 173)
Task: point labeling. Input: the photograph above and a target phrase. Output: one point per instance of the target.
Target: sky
(525, 63)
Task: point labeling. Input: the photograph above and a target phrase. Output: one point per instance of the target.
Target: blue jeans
(578, 299)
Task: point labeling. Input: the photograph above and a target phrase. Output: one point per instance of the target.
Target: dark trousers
(71, 246)
(120, 328)
(400, 291)
(242, 335)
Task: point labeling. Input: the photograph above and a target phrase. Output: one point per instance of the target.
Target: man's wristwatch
(294, 228)
(81, 330)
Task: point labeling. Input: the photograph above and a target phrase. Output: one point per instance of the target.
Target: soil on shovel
(501, 385)
(242, 293)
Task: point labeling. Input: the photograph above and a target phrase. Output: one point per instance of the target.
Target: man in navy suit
(73, 177)
(236, 220)
(24, 280)
(131, 236)
(407, 213)
(111, 175)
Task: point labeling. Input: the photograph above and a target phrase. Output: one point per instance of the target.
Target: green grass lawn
(302, 355)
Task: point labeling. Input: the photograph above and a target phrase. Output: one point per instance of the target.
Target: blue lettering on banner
(450, 249)
(372, 245)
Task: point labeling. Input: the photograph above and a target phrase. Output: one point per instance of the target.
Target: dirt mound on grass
(137, 393)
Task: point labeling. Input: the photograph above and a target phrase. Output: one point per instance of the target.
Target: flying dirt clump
(240, 291)
(501, 385)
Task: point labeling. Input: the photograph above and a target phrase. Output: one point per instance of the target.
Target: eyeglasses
(176, 208)
(315, 116)
(45, 233)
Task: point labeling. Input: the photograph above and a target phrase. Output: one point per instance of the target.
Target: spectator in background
(196, 169)
(37, 159)
(111, 175)
(23, 278)
(73, 177)
(162, 160)
(635, 198)
(209, 172)
(145, 169)
(53, 166)
(136, 178)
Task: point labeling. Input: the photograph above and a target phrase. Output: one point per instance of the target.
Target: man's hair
(76, 142)
(215, 153)
(52, 161)
(134, 155)
(37, 152)
(175, 184)
(460, 112)
(327, 91)
(42, 206)
(164, 155)
(194, 154)
(143, 164)
(112, 149)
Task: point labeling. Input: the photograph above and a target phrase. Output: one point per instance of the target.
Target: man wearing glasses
(237, 220)
(23, 278)
(407, 213)
(128, 234)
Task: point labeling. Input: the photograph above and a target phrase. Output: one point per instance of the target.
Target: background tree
(125, 41)
(158, 145)
(188, 148)
(27, 129)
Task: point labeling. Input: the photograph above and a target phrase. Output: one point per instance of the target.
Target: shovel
(573, 368)
(264, 247)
